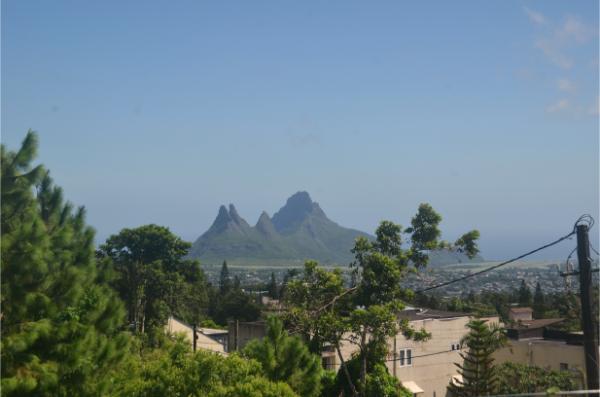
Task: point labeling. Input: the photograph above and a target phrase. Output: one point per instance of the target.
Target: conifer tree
(272, 287)
(477, 370)
(60, 325)
(524, 294)
(539, 305)
(287, 359)
(224, 279)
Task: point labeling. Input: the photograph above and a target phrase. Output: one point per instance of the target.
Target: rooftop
(533, 324)
(428, 314)
(521, 309)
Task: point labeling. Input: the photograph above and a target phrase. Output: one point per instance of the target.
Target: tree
(224, 279)
(286, 359)
(366, 314)
(60, 322)
(173, 370)
(524, 294)
(153, 278)
(477, 370)
(514, 378)
(272, 288)
(539, 305)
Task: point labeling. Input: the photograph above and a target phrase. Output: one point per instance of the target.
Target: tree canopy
(60, 323)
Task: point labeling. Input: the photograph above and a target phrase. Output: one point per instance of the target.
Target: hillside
(300, 230)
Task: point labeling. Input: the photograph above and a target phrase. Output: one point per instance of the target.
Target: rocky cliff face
(300, 230)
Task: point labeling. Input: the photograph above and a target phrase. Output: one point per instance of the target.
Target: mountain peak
(296, 209)
(265, 226)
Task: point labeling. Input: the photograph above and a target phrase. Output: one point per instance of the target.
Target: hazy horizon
(160, 114)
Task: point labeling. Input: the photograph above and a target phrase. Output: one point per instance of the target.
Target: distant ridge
(300, 230)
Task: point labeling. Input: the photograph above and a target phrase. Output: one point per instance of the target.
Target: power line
(501, 264)
(424, 355)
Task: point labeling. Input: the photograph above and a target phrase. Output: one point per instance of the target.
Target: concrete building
(424, 368)
(533, 343)
(520, 313)
(214, 340)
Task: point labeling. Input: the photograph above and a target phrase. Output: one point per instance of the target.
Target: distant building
(520, 313)
(210, 339)
(425, 368)
(533, 343)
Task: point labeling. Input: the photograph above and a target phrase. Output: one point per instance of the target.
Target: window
(405, 357)
(564, 366)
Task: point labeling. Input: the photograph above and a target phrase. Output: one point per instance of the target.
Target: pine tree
(477, 370)
(524, 295)
(287, 359)
(225, 279)
(60, 324)
(539, 304)
(272, 287)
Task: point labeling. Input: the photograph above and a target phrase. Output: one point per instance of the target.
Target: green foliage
(539, 304)
(379, 382)
(173, 370)
(272, 287)
(224, 279)
(233, 304)
(516, 378)
(60, 323)
(153, 278)
(477, 370)
(287, 359)
(524, 295)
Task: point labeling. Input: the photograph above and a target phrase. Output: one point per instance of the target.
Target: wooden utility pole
(590, 336)
(194, 336)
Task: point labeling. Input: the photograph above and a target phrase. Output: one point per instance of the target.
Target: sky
(160, 111)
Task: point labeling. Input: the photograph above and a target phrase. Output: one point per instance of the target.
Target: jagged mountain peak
(265, 225)
(296, 209)
(235, 217)
(299, 230)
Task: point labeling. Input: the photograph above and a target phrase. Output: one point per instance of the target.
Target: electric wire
(583, 219)
(496, 266)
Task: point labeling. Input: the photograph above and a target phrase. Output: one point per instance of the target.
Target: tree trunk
(348, 377)
(363, 366)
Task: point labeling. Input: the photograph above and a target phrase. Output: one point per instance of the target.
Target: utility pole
(590, 337)
(194, 337)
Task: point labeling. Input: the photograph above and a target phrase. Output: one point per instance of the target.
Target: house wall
(202, 341)
(543, 353)
(432, 373)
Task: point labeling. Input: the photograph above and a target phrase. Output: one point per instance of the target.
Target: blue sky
(158, 112)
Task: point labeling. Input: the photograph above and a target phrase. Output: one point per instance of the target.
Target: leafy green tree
(477, 370)
(380, 383)
(287, 359)
(224, 279)
(524, 294)
(539, 304)
(514, 378)
(233, 305)
(173, 370)
(153, 277)
(60, 324)
(366, 313)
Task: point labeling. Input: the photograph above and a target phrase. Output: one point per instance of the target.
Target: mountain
(300, 230)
